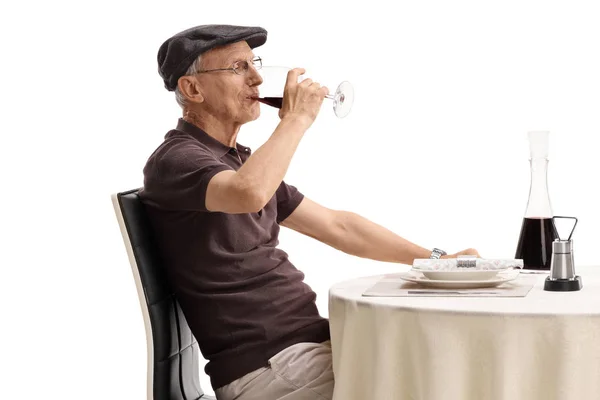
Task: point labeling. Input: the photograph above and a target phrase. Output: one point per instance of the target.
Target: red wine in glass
(271, 101)
(535, 243)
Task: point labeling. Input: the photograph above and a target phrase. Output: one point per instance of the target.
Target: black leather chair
(173, 353)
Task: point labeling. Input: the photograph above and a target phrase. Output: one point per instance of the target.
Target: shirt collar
(218, 148)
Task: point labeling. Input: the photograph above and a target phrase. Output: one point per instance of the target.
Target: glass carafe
(537, 230)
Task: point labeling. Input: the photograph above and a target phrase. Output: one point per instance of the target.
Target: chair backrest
(173, 353)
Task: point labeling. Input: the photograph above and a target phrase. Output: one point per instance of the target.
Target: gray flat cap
(177, 53)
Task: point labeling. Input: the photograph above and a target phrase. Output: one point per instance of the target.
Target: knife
(445, 292)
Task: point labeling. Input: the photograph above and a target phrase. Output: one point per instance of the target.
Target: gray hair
(179, 97)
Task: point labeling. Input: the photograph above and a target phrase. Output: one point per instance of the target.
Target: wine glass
(274, 79)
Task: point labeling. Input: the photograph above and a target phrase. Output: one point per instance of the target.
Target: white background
(434, 149)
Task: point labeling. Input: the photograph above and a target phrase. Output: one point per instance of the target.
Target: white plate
(500, 278)
(460, 274)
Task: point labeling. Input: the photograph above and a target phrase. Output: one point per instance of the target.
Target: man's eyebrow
(232, 59)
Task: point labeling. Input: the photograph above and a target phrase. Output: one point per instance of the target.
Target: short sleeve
(176, 178)
(288, 198)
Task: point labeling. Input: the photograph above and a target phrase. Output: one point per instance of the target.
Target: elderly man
(217, 208)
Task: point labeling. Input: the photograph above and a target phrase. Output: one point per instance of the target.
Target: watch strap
(437, 253)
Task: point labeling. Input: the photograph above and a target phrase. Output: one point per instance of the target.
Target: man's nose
(254, 76)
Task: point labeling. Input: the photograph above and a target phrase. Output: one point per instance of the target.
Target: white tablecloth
(542, 346)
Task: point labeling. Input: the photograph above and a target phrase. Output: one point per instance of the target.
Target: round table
(545, 345)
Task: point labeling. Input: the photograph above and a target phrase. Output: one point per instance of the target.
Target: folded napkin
(448, 264)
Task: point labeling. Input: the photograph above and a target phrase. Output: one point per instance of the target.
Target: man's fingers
(470, 252)
(293, 75)
(306, 83)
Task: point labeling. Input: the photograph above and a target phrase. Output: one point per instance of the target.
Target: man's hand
(302, 100)
(467, 252)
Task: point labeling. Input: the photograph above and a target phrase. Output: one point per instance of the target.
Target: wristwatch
(437, 253)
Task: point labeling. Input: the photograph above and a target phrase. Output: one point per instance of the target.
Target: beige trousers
(300, 372)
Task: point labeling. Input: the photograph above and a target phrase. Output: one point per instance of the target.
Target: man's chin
(253, 115)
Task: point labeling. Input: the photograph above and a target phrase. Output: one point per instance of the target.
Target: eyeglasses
(239, 67)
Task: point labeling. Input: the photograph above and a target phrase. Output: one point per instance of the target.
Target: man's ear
(190, 89)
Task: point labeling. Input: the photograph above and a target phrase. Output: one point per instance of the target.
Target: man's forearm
(266, 168)
(363, 238)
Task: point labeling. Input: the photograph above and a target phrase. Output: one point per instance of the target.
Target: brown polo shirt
(242, 297)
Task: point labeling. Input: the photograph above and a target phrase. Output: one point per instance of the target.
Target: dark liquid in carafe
(535, 242)
(271, 101)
